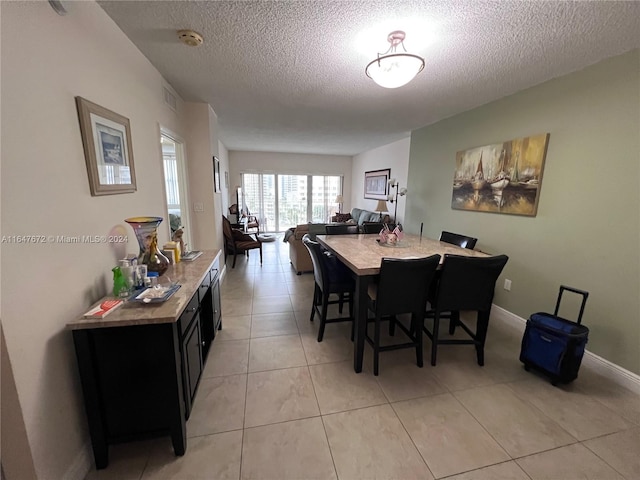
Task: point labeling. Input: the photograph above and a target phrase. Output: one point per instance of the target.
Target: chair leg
(417, 320)
(434, 340)
(260, 254)
(315, 302)
(323, 315)
(392, 325)
(455, 319)
(234, 260)
(481, 335)
(341, 302)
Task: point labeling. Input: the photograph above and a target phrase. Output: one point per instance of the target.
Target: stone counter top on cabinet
(188, 274)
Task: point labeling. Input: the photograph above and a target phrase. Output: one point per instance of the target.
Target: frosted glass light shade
(394, 70)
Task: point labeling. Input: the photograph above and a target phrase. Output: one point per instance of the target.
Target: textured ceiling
(288, 76)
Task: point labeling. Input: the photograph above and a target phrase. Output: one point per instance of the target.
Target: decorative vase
(146, 230)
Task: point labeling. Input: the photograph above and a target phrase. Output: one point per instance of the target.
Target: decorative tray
(399, 244)
(155, 294)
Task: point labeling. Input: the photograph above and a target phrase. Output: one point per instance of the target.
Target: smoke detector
(191, 38)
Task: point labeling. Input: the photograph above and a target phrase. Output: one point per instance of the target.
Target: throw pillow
(342, 217)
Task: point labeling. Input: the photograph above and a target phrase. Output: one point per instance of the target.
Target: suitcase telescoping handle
(574, 290)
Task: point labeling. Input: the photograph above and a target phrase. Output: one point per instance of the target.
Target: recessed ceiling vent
(191, 38)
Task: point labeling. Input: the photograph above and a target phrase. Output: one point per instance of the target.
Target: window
(284, 201)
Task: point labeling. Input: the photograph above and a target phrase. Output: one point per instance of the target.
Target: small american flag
(398, 232)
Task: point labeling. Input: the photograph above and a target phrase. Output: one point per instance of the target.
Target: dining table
(363, 254)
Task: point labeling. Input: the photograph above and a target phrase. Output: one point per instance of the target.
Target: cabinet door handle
(204, 343)
(191, 310)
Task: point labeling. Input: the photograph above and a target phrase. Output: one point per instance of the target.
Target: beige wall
(394, 156)
(586, 233)
(201, 125)
(47, 60)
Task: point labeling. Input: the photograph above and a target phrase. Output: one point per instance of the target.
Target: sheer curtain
(282, 201)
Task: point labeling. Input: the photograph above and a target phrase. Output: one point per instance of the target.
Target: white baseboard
(81, 465)
(621, 376)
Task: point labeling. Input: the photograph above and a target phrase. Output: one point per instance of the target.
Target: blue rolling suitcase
(555, 345)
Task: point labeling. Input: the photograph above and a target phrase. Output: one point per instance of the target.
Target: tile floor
(273, 403)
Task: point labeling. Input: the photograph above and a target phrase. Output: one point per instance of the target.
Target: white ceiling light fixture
(191, 38)
(392, 69)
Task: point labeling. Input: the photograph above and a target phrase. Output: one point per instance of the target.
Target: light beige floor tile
(268, 288)
(620, 450)
(519, 427)
(622, 401)
(457, 367)
(302, 301)
(236, 307)
(448, 438)
(572, 461)
(227, 358)
(273, 324)
(271, 265)
(371, 443)
(275, 304)
(306, 326)
(212, 456)
(218, 406)
(334, 347)
(234, 328)
(402, 379)
(574, 411)
(287, 451)
(236, 291)
(280, 395)
(126, 462)
(270, 353)
(502, 471)
(339, 388)
(263, 278)
(302, 289)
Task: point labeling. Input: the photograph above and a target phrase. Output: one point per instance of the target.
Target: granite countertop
(362, 254)
(187, 274)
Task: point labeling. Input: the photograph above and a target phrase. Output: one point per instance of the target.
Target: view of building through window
(284, 201)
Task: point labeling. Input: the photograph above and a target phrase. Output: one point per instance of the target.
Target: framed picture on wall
(501, 177)
(376, 184)
(216, 175)
(106, 138)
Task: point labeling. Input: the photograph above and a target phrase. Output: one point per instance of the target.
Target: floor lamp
(393, 197)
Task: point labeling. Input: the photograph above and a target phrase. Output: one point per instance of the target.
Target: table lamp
(381, 207)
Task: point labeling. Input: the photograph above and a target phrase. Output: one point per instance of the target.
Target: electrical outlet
(507, 285)
(198, 207)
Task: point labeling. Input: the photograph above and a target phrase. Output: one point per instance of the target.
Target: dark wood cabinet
(192, 361)
(140, 366)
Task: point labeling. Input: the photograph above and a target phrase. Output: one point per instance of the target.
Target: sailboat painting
(501, 178)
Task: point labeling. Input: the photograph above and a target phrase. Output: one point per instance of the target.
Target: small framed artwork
(376, 184)
(226, 180)
(216, 175)
(106, 138)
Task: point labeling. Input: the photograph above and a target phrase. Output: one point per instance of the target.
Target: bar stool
(402, 288)
(331, 277)
(465, 283)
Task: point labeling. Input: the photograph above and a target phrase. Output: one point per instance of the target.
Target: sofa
(298, 253)
(360, 216)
